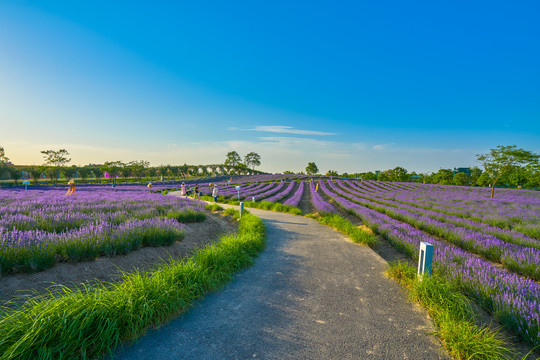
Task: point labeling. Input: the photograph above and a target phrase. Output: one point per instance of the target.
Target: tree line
(55, 168)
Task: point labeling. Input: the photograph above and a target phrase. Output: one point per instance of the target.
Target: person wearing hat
(214, 193)
(183, 190)
(71, 189)
(149, 187)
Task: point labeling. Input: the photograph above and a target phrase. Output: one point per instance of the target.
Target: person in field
(150, 187)
(183, 190)
(215, 192)
(196, 196)
(71, 189)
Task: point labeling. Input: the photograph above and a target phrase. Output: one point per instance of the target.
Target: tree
(500, 160)
(35, 172)
(55, 160)
(368, 176)
(138, 168)
(461, 179)
(311, 168)
(252, 159)
(332, 173)
(3, 159)
(398, 174)
(444, 177)
(233, 159)
(475, 175)
(14, 173)
(84, 172)
(112, 168)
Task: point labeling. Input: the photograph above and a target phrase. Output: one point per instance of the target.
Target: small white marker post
(238, 190)
(425, 259)
(25, 183)
(241, 208)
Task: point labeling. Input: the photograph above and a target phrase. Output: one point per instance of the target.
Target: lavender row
(36, 250)
(516, 258)
(506, 235)
(297, 196)
(282, 194)
(317, 200)
(513, 299)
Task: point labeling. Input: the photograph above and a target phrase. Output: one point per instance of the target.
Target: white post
(425, 259)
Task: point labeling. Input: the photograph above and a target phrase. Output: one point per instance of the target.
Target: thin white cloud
(382, 146)
(287, 130)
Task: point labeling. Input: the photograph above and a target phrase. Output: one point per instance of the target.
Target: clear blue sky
(351, 85)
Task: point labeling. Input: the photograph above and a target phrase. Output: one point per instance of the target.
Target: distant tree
(69, 172)
(332, 173)
(84, 172)
(500, 160)
(35, 172)
(3, 158)
(517, 176)
(56, 158)
(97, 172)
(14, 173)
(138, 168)
(233, 159)
(368, 176)
(113, 168)
(475, 174)
(461, 179)
(533, 173)
(252, 159)
(398, 174)
(312, 169)
(288, 172)
(383, 176)
(125, 171)
(444, 177)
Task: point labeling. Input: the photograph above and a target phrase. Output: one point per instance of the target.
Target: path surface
(312, 294)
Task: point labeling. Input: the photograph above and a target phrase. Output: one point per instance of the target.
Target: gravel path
(312, 294)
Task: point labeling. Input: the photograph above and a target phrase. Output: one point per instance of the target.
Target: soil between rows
(16, 288)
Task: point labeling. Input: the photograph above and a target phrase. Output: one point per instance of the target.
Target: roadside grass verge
(453, 316)
(91, 321)
(358, 235)
(263, 205)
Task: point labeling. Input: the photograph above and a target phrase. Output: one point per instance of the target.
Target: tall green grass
(358, 235)
(264, 205)
(453, 316)
(88, 322)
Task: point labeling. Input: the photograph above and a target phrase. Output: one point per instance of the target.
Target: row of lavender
(41, 227)
(513, 299)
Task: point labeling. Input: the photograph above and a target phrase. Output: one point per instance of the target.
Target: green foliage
(187, 216)
(461, 179)
(233, 159)
(91, 321)
(312, 169)
(56, 158)
(3, 158)
(252, 159)
(358, 235)
(213, 207)
(332, 173)
(502, 159)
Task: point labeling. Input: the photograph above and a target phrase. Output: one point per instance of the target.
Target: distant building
(464, 170)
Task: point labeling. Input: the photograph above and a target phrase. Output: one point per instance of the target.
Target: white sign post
(238, 190)
(425, 259)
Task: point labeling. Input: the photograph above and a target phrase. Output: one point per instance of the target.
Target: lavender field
(489, 248)
(43, 226)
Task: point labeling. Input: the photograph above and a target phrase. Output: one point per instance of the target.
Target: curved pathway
(312, 294)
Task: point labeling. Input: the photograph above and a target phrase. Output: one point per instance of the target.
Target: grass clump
(452, 314)
(264, 205)
(187, 216)
(88, 322)
(213, 207)
(357, 234)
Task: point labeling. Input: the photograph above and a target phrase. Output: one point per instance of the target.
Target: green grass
(88, 322)
(358, 235)
(453, 316)
(264, 205)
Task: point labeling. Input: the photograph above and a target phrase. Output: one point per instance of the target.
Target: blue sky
(351, 85)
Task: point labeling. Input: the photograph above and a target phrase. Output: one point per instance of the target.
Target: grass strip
(263, 205)
(88, 322)
(357, 234)
(453, 316)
